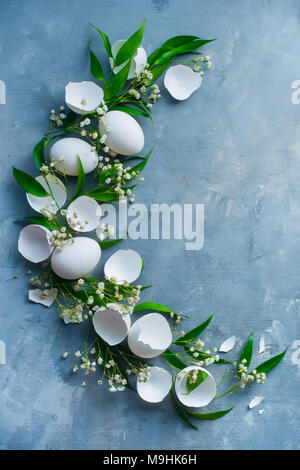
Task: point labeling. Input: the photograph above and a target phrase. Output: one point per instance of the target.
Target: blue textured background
(233, 146)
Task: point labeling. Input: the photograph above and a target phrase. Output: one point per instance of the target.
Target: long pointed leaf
(116, 84)
(270, 363)
(173, 360)
(209, 416)
(129, 47)
(247, 351)
(38, 153)
(30, 184)
(95, 66)
(108, 243)
(81, 179)
(181, 411)
(105, 40)
(194, 333)
(39, 220)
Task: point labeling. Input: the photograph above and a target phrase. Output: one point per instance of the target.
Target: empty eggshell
(157, 387)
(150, 335)
(59, 192)
(124, 265)
(181, 81)
(33, 243)
(125, 135)
(112, 323)
(83, 97)
(65, 152)
(84, 209)
(138, 62)
(45, 297)
(76, 259)
(201, 395)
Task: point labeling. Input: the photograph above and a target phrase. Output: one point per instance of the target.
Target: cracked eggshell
(157, 387)
(124, 265)
(111, 323)
(201, 395)
(59, 192)
(40, 297)
(125, 135)
(69, 149)
(181, 81)
(83, 97)
(150, 336)
(33, 243)
(76, 259)
(138, 62)
(86, 209)
(227, 345)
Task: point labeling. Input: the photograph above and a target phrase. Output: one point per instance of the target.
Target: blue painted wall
(234, 146)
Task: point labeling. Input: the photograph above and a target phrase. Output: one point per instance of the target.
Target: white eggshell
(181, 81)
(40, 297)
(228, 344)
(255, 401)
(150, 335)
(111, 323)
(83, 97)
(262, 345)
(70, 148)
(124, 265)
(33, 243)
(138, 62)
(76, 259)
(59, 192)
(201, 395)
(87, 210)
(125, 136)
(157, 387)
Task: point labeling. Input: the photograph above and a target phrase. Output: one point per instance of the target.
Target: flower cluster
(60, 238)
(58, 118)
(245, 378)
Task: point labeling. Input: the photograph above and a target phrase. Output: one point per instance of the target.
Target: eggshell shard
(84, 209)
(227, 345)
(76, 259)
(138, 62)
(255, 401)
(111, 323)
(181, 81)
(125, 135)
(33, 243)
(262, 346)
(157, 387)
(65, 152)
(83, 97)
(45, 298)
(124, 265)
(58, 190)
(150, 336)
(201, 395)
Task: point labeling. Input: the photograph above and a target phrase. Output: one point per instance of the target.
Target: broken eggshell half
(77, 259)
(112, 323)
(84, 214)
(157, 387)
(181, 81)
(33, 243)
(58, 190)
(83, 97)
(45, 297)
(124, 265)
(65, 152)
(150, 335)
(138, 62)
(202, 395)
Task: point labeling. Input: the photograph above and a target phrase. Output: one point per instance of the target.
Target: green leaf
(81, 179)
(70, 119)
(181, 411)
(173, 359)
(39, 220)
(137, 105)
(194, 333)
(131, 111)
(152, 306)
(270, 363)
(140, 166)
(28, 183)
(178, 41)
(105, 40)
(209, 416)
(103, 194)
(108, 243)
(129, 47)
(182, 49)
(157, 71)
(116, 83)
(190, 386)
(247, 351)
(96, 68)
(38, 153)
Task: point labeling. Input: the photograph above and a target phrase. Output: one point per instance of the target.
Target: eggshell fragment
(124, 265)
(65, 152)
(33, 243)
(76, 259)
(83, 97)
(125, 135)
(262, 346)
(201, 395)
(227, 345)
(45, 297)
(181, 81)
(112, 323)
(255, 401)
(157, 387)
(150, 335)
(138, 62)
(58, 190)
(84, 209)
